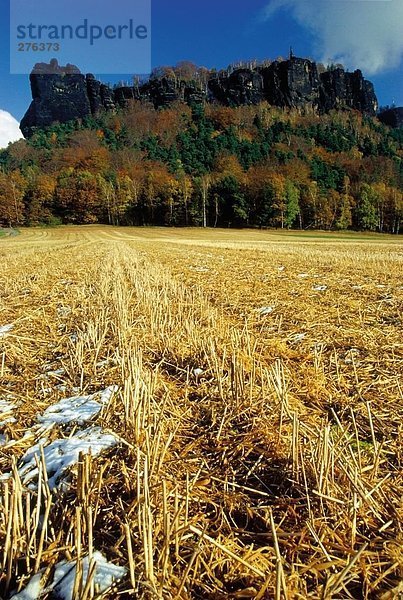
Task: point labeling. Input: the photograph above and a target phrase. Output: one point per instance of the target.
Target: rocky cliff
(61, 94)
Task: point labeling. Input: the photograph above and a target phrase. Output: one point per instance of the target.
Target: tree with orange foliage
(78, 196)
(222, 117)
(86, 152)
(39, 198)
(159, 192)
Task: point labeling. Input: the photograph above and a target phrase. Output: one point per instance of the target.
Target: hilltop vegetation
(246, 166)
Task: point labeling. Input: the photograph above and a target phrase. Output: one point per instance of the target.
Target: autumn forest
(214, 166)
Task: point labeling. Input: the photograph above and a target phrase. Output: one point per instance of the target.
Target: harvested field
(233, 426)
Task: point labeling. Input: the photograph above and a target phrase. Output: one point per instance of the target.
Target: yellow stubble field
(233, 423)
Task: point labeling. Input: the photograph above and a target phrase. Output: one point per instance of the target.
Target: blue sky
(215, 33)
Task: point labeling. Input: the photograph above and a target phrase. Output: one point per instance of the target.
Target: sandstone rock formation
(61, 94)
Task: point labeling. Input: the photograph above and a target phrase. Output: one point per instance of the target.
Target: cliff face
(61, 94)
(295, 83)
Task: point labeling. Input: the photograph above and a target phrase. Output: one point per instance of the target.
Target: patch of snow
(106, 574)
(265, 310)
(61, 387)
(104, 363)
(198, 372)
(6, 409)
(57, 372)
(107, 394)
(62, 587)
(319, 288)
(7, 421)
(77, 409)
(63, 453)
(32, 591)
(6, 406)
(63, 311)
(46, 391)
(303, 275)
(297, 337)
(4, 329)
(281, 269)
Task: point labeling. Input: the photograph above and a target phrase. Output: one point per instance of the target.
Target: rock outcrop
(296, 83)
(292, 83)
(242, 87)
(61, 94)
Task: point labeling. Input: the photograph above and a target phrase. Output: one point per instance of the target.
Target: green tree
(292, 203)
(230, 203)
(367, 216)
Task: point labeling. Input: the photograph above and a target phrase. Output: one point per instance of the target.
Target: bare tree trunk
(16, 211)
(216, 211)
(204, 207)
(205, 188)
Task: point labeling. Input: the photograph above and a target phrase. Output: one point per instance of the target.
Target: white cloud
(365, 34)
(9, 129)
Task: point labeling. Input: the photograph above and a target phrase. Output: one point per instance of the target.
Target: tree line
(215, 166)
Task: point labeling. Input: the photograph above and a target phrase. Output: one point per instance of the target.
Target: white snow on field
(6, 409)
(265, 310)
(63, 311)
(4, 329)
(63, 453)
(7, 420)
(319, 288)
(297, 337)
(199, 269)
(77, 409)
(56, 373)
(32, 591)
(6, 406)
(105, 575)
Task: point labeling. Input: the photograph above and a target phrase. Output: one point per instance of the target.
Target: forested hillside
(248, 166)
